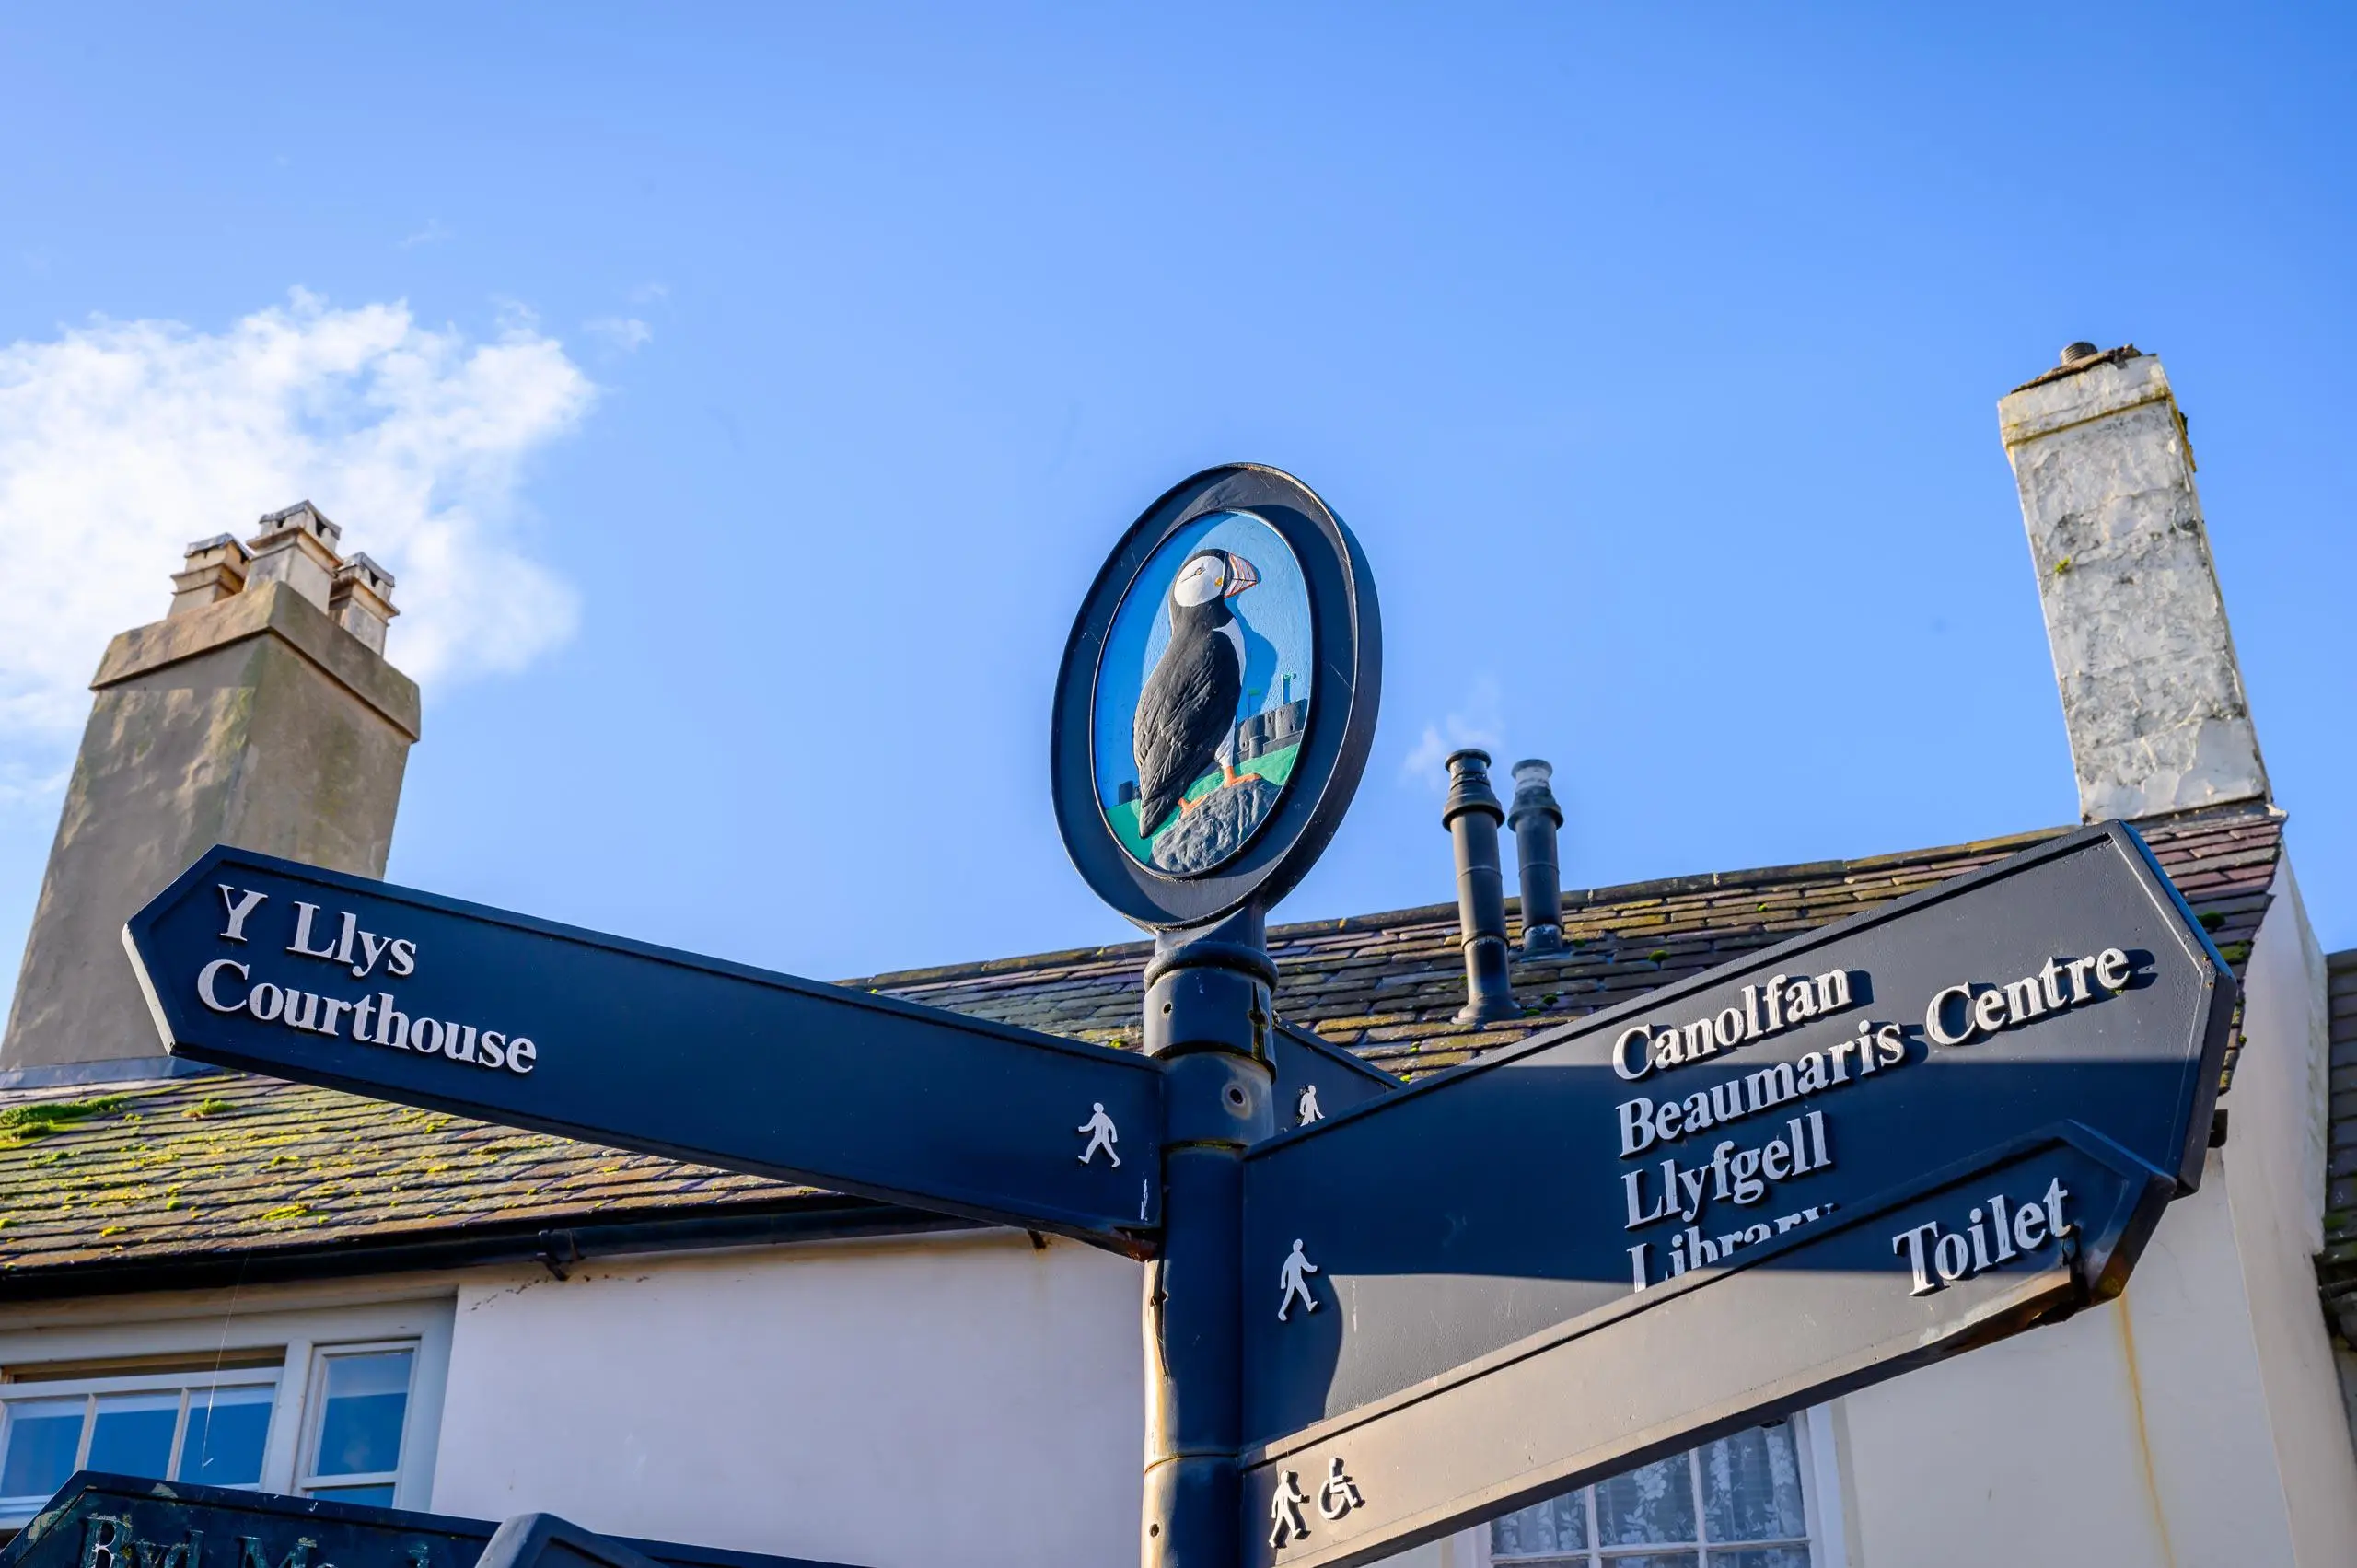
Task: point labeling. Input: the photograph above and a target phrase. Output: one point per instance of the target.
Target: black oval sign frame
(1347, 687)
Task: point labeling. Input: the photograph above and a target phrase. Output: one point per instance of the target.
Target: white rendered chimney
(2152, 695)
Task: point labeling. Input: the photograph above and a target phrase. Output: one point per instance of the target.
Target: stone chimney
(2152, 695)
(259, 711)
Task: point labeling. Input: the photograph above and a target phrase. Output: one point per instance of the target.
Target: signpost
(1882, 1142)
(272, 966)
(1375, 1314)
(99, 1520)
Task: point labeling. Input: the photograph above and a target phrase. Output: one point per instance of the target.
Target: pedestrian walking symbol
(1306, 1109)
(1101, 1135)
(1284, 1512)
(1293, 1279)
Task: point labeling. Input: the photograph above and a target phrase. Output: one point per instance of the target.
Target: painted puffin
(1186, 715)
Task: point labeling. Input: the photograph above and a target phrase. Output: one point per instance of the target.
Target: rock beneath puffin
(1216, 828)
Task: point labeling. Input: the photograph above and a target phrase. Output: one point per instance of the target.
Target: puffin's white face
(1204, 579)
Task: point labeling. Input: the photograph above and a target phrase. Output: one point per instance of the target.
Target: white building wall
(2195, 1421)
(2275, 1183)
(962, 1399)
(2131, 1434)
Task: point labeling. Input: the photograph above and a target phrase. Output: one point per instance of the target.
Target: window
(202, 1427)
(212, 1426)
(332, 1400)
(359, 1407)
(1737, 1503)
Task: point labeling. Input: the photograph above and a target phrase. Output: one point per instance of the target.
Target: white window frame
(308, 1482)
(89, 1390)
(1814, 1446)
(292, 1322)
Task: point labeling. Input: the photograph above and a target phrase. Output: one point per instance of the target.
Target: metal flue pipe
(1534, 818)
(1472, 814)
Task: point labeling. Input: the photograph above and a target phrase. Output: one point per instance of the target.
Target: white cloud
(432, 234)
(1481, 722)
(121, 441)
(625, 332)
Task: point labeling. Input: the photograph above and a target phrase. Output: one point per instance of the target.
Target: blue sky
(747, 398)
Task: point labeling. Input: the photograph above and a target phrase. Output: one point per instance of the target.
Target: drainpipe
(1534, 818)
(1471, 815)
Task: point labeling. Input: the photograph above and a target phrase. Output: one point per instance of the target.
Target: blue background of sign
(1279, 652)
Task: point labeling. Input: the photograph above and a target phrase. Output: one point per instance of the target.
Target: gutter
(822, 1217)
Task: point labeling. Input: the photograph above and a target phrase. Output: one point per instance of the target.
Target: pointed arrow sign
(1885, 1142)
(272, 966)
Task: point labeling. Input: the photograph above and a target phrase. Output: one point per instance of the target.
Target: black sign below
(99, 1520)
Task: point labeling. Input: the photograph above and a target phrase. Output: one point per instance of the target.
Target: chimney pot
(296, 547)
(214, 569)
(306, 516)
(1472, 814)
(2073, 352)
(362, 599)
(1535, 819)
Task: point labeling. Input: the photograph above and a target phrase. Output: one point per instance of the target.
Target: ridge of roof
(1445, 910)
(134, 1186)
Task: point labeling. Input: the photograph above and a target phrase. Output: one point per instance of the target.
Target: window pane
(360, 1421)
(1650, 1559)
(226, 1430)
(1647, 1507)
(1558, 1525)
(380, 1496)
(1751, 1487)
(1762, 1557)
(43, 1436)
(133, 1434)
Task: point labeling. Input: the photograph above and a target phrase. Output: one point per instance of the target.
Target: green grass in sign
(1274, 766)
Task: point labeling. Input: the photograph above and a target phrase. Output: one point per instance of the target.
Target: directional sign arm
(272, 966)
(1315, 1080)
(1884, 1142)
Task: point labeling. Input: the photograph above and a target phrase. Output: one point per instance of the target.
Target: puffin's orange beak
(1243, 576)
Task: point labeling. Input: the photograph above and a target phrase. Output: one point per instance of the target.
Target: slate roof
(2336, 1267)
(222, 1178)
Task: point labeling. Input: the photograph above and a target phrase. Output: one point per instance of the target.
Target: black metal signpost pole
(1214, 711)
(1207, 1018)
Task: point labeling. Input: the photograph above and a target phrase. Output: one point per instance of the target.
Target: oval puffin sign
(1204, 694)
(1217, 699)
